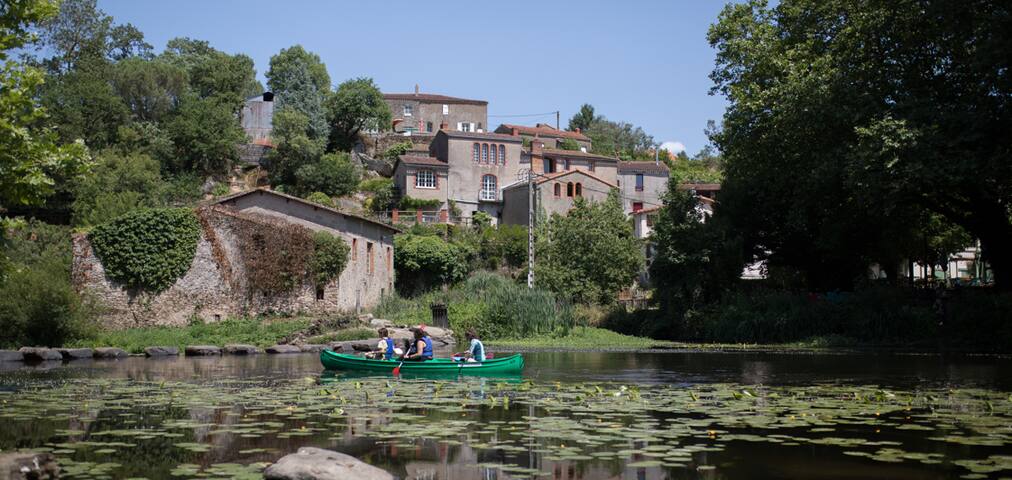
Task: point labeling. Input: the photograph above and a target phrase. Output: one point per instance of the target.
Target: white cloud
(673, 146)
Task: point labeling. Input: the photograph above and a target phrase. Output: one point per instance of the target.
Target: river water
(572, 415)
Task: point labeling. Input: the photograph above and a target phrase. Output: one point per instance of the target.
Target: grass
(583, 338)
(344, 335)
(261, 332)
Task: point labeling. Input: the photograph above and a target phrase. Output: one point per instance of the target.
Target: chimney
(416, 89)
(577, 129)
(444, 126)
(515, 132)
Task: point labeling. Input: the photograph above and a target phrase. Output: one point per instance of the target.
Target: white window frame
(446, 109)
(429, 181)
(489, 189)
(409, 110)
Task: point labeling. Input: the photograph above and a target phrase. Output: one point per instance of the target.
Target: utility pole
(530, 226)
(557, 120)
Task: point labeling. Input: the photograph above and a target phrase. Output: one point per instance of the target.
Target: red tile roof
(432, 98)
(645, 167)
(542, 130)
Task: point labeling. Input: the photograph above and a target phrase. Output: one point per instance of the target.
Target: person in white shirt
(475, 350)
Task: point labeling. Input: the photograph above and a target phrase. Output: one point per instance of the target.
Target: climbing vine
(330, 255)
(276, 254)
(147, 249)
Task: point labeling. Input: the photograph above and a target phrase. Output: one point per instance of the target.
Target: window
(569, 189)
(488, 188)
(637, 206)
(502, 154)
(565, 164)
(428, 127)
(372, 263)
(549, 165)
(446, 109)
(477, 152)
(354, 249)
(639, 182)
(579, 189)
(479, 125)
(425, 179)
(319, 292)
(464, 127)
(593, 165)
(408, 110)
(494, 156)
(484, 153)
(558, 190)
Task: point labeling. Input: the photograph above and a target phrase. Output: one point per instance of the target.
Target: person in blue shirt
(422, 349)
(475, 349)
(385, 348)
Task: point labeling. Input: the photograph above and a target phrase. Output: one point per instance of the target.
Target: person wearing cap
(422, 348)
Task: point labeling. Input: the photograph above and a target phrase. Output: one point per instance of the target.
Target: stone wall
(212, 289)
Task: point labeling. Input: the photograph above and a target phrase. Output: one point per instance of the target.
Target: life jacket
(478, 352)
(427, 351)
(390, 349)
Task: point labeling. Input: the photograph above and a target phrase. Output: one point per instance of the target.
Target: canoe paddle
(397, 369)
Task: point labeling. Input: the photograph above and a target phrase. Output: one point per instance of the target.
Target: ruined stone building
(217, 284)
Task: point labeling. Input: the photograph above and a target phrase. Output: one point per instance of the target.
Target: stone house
(427, 113)
(549, 135)
(216, 286)
(642, 184)
(467, 169)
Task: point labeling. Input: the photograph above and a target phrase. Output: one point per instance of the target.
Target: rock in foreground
(110, 352)
(202, 350)
(33, 354)
(284, 349)
(17, 466)
(161, 351)
(75, 353)
(311, 463)
(239, 349)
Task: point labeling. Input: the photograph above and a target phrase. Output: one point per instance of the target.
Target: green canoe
(494, 366)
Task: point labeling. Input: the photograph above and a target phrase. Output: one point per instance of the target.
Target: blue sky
(644, 62)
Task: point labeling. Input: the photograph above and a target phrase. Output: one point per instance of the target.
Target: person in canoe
(422, 348)
(475, 350)
(385, 349)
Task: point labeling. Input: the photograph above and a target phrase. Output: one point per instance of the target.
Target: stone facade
(426, 113)
(555, 193)
(214, 287)
(642, 184)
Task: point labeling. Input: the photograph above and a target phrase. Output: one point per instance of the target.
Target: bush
(39, 307)
(397, 150)
(321, 198)
(148, 249)
(408, 203)
(568, 144)
(334, 174)
(423, 262)
(330, 256)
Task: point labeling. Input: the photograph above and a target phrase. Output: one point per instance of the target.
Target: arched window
(484, 153)
(579, 189)
(493, 156)
(477, 152)
(558, 190)
(569, 189)
(502, 154)
(488, 188)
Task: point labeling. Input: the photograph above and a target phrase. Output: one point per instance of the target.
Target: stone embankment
(298, 343)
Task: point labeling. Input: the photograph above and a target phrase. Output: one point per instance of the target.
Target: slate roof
(264, 190)
(645, 167)
(432, 98)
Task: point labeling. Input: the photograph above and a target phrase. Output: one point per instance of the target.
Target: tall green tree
(621, 139)
(31, 159)
(294, 147)
(584, 118)
(151, 89)
(300, 81)
(206, 134)
(356, 106)
(845, 116)
(589, 254)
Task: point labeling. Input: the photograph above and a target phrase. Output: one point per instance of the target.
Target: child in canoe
(475, 350)
(385, 349)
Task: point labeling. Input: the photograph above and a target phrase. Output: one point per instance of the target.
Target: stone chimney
(515, 132)
(416, 89)
(537, 157)
(577, 129)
